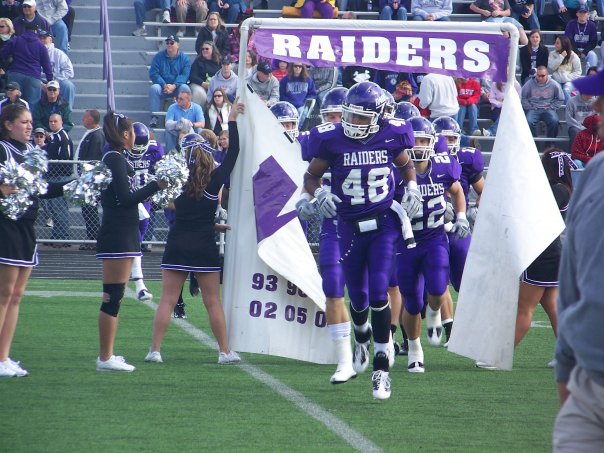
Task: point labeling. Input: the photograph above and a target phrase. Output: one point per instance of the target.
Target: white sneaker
(228, 358)
(484, 365)
(114, 363)
(360, 357)
(344, 372)
(435, 335)
(550, 364)
(381, 384)
(486, 132)
(19, 372)
(180, 34)
(416, 367)
(477, 132)
(166, 17)
(154, 356)
(6, 370)
(140, 31)
(144, 295)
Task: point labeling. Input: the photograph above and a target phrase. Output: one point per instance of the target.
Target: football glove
(449, 213)
(306, 209)
(327, 202)
(461, 228)
(412, 200)
(471, 214)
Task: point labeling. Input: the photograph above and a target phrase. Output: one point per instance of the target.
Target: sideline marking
(352, 437)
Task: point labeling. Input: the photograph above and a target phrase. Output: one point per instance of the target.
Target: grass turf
(190, 403)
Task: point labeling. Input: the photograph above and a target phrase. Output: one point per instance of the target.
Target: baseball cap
(593, 84)
(264, 67)
(52, 84)
(582, 9)
(172, 38)
(39, 130)
(13, 86)
(43, 33)
(29, 2)
(226, 60)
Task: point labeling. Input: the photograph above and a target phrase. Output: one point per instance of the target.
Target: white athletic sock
(140, 285)
(380, 347)
(137, 268)
(340, 335)
(416, 353)
(432, 317)
(338, 331)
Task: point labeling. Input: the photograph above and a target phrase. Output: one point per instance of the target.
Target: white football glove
(327, 202)
(306, 209)
(461, 226)
(449, 213)
(472, 213)
(412, 200)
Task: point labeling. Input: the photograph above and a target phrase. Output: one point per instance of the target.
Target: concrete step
(94, 41)
(95, 86)
(99, 101)
(118, 57)
(123, 71)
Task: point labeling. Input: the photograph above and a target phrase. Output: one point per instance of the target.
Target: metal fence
(60, 222)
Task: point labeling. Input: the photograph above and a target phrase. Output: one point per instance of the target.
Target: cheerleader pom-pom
(16, 204)
(86, 190)
(36, 161)
(172, 169)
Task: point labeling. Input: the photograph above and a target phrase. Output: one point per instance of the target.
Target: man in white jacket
(62, 69)
(439, 94)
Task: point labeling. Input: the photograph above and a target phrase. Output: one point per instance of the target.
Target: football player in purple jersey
(360, 152)
(288, 116)
(428, 263)
(338, 319)
(143, 156)
(472, 167)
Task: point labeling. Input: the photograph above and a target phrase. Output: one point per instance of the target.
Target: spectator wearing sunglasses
(29, 15)
(62, 68)
(13, 96)
(52, 102)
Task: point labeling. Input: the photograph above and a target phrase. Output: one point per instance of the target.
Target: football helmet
(448, 127)
(390, 104)
(287, 113)
(405, 110)
(141, 139)
(332, 102)
(422, 128)
(362, 110)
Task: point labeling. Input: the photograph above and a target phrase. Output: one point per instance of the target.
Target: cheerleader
(18, 252)
(191, 245)
(118, 240)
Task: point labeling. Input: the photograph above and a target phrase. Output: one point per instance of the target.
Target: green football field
(190, 403)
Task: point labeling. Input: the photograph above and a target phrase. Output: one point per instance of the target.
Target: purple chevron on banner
(273, 188)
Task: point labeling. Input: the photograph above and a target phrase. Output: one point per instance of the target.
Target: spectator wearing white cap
(62, 69)
(54, 11)
(31, 16)
(13, 96)
(52, 102)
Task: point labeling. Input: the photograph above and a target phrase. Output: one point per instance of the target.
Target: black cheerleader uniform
(191, 244)
(17, 237)
(544, 270)
(119, 235)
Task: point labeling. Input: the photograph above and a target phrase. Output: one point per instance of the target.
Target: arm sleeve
(446, 10)
(55, 190)
(154, 74)
(121, 183)
(195, 74)
(416, 9)
(45, 62)
(66, 115)
(553, 61)
(220, 175)
(185, 70)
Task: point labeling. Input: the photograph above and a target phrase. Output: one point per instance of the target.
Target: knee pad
(116, 294)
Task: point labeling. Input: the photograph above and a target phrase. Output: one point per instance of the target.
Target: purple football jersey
(442, 172)
(440, 146)
(472, 166)
(361, 170)
(304, 148)
(143, 165)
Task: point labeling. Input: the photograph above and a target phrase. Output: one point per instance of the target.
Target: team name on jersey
(140, 164)
(355, 158)
(431, 190)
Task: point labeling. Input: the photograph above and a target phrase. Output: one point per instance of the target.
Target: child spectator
(468, 96)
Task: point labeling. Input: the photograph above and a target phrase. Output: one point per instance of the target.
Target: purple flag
(455, 54)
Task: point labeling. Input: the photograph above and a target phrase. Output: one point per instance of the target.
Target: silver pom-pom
(36, 161)
(86, 190)
(15, 205)
(172, 168)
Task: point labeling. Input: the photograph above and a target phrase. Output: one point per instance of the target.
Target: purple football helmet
(448, 127)
(390, 104)
(362, 110)
(286, 113)
(141, 139)
(422, 128)
(405, 110)
(332, 102)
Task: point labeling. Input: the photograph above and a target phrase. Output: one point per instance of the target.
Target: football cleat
(404, 347)
(416, 367)
(344, 372)
(360, 357)
(381, 384)
(435, 335)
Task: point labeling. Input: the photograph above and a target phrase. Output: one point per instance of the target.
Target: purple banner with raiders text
(455, 54)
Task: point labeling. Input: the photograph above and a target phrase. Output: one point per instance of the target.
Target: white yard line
(349, 435)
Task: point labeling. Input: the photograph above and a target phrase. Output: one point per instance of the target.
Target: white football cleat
(416, 367)
(381, 384)
(154, 356)
(360, 357)
(114, 363)
(434, 335)
(344, 372)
